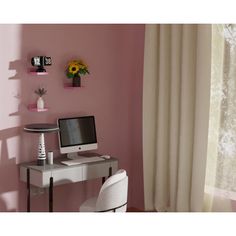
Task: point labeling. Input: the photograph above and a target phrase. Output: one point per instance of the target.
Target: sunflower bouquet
(76, 68)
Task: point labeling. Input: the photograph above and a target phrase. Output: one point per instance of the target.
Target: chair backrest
(114, 193)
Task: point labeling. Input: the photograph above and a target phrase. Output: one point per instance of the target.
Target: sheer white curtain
(176, 95)
(221, 162)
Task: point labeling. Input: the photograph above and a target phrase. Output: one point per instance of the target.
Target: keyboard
(82, 160)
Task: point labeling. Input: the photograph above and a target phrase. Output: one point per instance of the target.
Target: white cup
(50, 158)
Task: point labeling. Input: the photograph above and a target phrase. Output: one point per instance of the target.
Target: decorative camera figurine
(40, 62)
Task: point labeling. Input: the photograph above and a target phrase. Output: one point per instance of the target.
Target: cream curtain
(176, 94)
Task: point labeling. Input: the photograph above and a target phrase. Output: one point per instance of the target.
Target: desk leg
(110, 171)
(51, 195)
(109, 175)
(28, 189)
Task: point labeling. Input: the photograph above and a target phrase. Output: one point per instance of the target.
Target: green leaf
(69, 75)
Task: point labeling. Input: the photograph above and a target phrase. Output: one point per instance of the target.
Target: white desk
(57, 174)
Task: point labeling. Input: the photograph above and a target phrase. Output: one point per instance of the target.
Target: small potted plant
(40, 102)
(74, 70)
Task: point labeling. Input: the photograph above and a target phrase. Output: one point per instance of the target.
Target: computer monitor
(77, 134)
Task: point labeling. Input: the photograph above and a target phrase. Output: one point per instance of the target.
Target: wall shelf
(31, 72)
(70, 86)
(33, 108)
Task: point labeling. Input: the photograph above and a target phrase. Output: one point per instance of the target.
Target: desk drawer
(68, 175)
(36, 177)
(97, 170)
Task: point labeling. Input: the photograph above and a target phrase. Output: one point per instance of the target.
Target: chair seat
(89, 205)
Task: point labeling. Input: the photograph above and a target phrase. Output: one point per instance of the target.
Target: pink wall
(112, 92)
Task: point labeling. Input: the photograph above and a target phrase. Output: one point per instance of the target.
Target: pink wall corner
(112, 92)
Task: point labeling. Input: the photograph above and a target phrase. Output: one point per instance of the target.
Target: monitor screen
(77, 132)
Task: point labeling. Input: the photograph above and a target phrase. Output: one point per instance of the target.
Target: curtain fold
(176, 91)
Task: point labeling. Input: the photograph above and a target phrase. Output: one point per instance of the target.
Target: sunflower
(76, 68)
(73, 68)
(82, 66)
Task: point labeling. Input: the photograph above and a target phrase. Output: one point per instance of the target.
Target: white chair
(112, 196)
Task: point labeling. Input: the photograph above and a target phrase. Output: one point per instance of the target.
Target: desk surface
(58, 165)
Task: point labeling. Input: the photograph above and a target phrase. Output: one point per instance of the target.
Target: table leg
(110, 174)
(28, 189)
(110, 171)
(51, 195)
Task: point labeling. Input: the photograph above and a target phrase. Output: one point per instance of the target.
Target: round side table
(41, 128)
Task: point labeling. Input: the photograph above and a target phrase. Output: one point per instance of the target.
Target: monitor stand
(74, 155)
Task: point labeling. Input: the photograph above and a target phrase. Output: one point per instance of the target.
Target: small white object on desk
(50, 158)
(105, 156)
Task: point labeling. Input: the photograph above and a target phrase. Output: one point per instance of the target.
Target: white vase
(40, 103)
